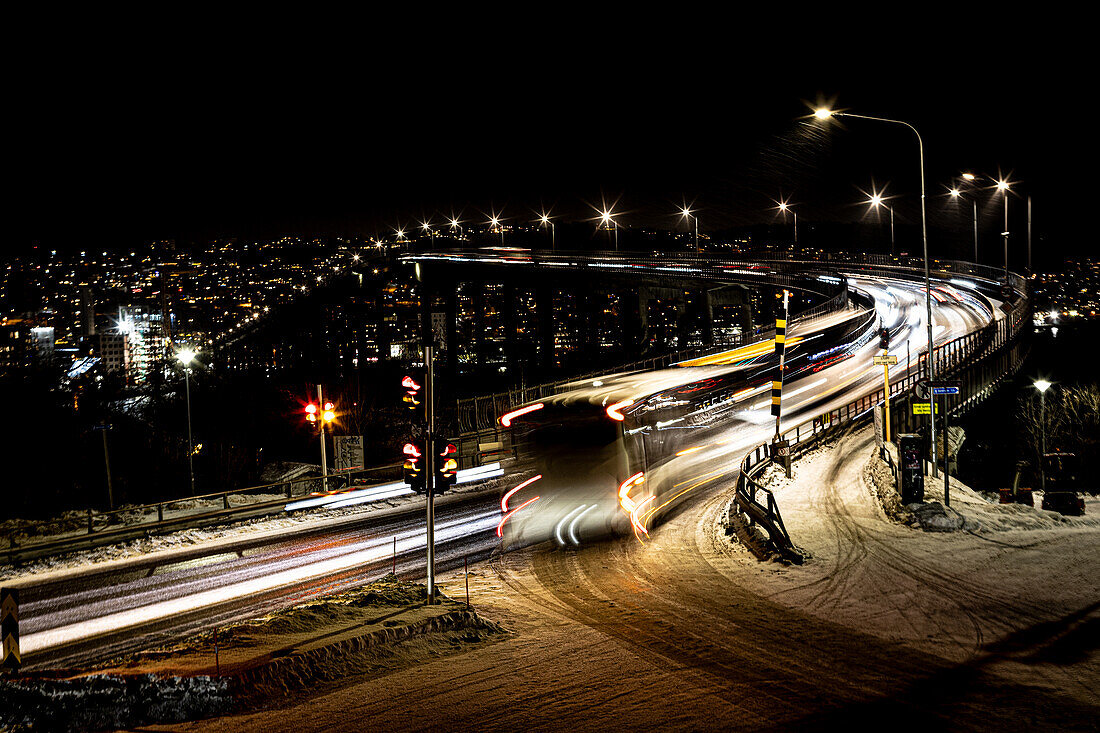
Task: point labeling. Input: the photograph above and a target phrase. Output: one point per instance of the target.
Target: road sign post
(886, 360)
(944, 388)
(429, 470)
(9, 629)
(781, 348)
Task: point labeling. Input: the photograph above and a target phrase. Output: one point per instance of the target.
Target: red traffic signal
(311, 413)
(412, 392)
(884, 338)
(446, 465)
(412, 469)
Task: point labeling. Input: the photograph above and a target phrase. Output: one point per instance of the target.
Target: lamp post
(1043, 385)
(609, 222)
(876, 201)
(1002, 186)
(544, 219)
(690, 216)
(494, 223)
(456, 225)
(427, 227)
(186, 356)
(786, 208)
(823, 113)
(956, 194)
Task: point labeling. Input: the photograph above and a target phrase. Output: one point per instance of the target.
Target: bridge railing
(98, 528)
(981, 361)
(478, 414)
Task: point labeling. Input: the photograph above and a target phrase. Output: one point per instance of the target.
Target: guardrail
(477, 414)
(102, 528)
(981, 361)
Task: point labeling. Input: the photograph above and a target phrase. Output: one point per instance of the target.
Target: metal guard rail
(966, 354)
(107, 527)
(478, 414)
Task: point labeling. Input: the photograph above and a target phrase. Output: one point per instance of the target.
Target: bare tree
(1071, 417)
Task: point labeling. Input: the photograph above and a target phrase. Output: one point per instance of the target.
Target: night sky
(120, 142)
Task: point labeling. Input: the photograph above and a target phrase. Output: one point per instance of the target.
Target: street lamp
(544, 219)
(823, 113)
(956, 193)
(608, 221)
(688, 214)
(427, 227)
(876, 201)
(186, 356)
(1043, 385)
(784, 207)
(1002, 186)
(494, 223)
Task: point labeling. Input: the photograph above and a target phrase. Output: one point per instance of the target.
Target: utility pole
(429, 468)
(324, 459)
(107, 463)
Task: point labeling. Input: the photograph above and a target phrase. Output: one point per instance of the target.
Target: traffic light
(413, 468)
(329, 414)
(446, 465)
(311, 414)
(884, 338)
(412, 389)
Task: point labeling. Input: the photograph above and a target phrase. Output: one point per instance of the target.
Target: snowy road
(883, 630)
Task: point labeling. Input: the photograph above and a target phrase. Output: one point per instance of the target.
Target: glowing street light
(494, 225)
(456, 224)
(1003, 186)
(956, 194)
(544, 219)
(785, 209)
(823, 113)
(186, 356)
(607, 218)
(875, 202)
(1043, 385)
(688, 214)
(427, 228)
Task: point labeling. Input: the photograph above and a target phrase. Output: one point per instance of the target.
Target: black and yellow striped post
(9, 629)
(781, 349)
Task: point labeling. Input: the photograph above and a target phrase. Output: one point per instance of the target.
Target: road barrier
(980, 361)
(103, 528)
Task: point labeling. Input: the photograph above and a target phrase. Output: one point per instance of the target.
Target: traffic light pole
(429, 467)
(324, 458)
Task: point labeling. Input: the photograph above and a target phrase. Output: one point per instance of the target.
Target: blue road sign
(945, 390)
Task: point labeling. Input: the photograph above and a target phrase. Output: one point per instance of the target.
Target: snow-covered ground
(986, 629)
(1002, 568)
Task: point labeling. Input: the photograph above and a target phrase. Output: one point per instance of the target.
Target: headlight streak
(388, 491)
(375, 549)
(638, 526)
(500, 527)
(674, 497)
(573, 525)
(614, 413)
(563, 520)
(506, 497)
(506, 418)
